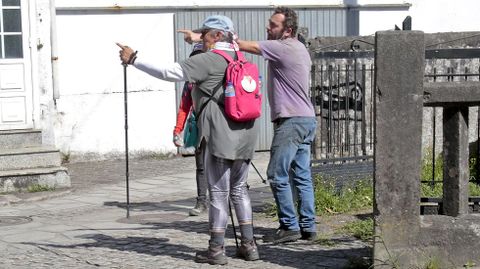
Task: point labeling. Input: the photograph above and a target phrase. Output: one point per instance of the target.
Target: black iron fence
(343, 95)
(343, 98)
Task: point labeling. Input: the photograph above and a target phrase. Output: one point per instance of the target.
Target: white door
(15, 73)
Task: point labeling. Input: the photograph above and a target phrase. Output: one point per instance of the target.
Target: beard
(273, 36)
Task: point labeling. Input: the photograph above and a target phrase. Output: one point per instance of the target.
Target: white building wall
(90, 110)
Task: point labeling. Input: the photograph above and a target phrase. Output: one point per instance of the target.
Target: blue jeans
(290, 164)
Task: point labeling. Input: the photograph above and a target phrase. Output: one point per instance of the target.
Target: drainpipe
(54, 51)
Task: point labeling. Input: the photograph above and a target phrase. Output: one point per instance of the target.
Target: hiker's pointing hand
(190, 37)
(127, 54)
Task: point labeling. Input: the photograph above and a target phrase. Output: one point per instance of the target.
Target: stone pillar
(455, 164)
(399, 69)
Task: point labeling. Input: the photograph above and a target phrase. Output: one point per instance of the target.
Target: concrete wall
(403, 238)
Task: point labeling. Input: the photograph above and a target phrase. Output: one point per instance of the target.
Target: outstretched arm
(169, 72)
(244, 45)
(190, 37)
(249, 46)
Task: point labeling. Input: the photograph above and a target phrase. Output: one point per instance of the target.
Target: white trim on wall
(211, 4)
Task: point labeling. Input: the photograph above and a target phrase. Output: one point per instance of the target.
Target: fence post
(399, 67)
(455, 167)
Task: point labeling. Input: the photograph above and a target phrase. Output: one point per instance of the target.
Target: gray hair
(226, 36)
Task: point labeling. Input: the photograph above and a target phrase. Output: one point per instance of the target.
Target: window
(11, 45)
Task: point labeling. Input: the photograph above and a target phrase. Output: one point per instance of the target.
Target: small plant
(270, 209)
(392, 260)
(39, 188)
(65, 158)
(433, 263)
(361, 229)
(324, 240)
(469, 264)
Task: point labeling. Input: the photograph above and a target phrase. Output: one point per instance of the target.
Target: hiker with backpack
(227, 142)
(294, 122)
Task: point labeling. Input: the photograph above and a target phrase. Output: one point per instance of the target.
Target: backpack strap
(229, 59)
(209, 99)
(224, 54)
(240, 56)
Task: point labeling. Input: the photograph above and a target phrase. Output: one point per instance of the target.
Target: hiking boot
(309, 236)
(282, 236)
(214, 255)
(200, 207)
(248, 250)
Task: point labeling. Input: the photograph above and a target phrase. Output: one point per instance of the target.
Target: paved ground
(87, 227)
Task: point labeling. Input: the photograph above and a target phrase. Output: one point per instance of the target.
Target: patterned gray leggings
(227, 179)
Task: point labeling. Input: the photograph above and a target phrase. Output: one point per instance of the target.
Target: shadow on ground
(260, 198)
(294, 255)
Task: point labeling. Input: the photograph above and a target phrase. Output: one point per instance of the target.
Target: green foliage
(428, 165)
(270, 209)
(436, 190)
(429, 190)
(433, 263)
(324, 240)
(361, 229)
(469, 264)
(353, 197)
(39, 188)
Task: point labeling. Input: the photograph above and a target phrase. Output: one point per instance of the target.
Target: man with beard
(293, 116)
(294, 122)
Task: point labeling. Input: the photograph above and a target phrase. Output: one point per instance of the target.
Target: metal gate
(342, 93)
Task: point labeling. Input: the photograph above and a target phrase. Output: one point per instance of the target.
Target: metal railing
(343, 99)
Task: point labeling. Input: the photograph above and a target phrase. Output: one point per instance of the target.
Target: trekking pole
(233, 223)
(126, 137)
(260, 175)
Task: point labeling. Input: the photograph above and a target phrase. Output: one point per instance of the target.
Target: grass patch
(329, 200)
(430, 170)
(436, 190)
(39, 188)
(433, 263)
(324, 240)
(361, 229)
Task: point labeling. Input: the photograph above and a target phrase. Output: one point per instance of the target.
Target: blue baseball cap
(218, 22)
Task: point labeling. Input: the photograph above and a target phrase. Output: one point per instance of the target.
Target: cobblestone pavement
(88, 228)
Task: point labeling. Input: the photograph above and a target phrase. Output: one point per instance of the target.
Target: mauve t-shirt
(288, 76)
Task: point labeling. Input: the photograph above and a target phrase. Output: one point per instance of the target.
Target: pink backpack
(243, 102)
